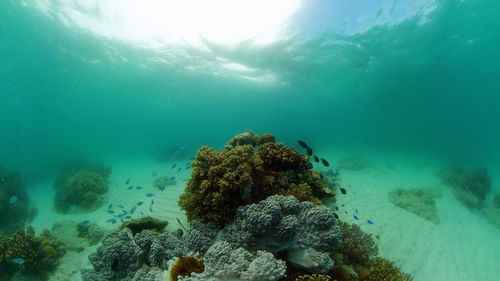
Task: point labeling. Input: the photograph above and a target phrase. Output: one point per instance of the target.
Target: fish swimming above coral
(303, 144)
(324, 162)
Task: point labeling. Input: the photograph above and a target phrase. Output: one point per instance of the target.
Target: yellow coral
(382, 269)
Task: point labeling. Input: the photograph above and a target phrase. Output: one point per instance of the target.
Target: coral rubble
(222, 181)
(415, 200)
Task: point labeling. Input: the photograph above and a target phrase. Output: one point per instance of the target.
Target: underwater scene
(282, 140)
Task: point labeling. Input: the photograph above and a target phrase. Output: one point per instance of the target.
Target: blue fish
(85, 222)
(18, 260)
(13, 199)
(113, 221)
(130, 187)
(357, 211)
(172, 178)
(127, 181)
(119, 215)
(138, 187)
(173, 166)
(343, 205)
(180, 169)
(128, 217)
(161, 187)
(150, 209)
(149, 194)
(120, 206)
(110, 211)
(370, 222)
(356, 217)
(140, 203)
(132, 210)
(110, 206)
(188, 167)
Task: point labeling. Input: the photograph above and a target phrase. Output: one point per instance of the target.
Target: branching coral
(221, 181)
(357, 245)
(382, 269)
(471, 188)
(83, 189)
(14, 202)
(36, 254)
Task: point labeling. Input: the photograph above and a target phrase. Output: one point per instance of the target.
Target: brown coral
(313, 277)
(185, 266)
(357, 246)
(221, 181)
(140, 224)
(382, 269)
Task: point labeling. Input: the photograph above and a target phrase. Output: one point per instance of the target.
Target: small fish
(345, 212)
(150, 209)
(18, 260)
(369, 221)
(127, 181)
(128, 217)
(343, 191)
(309, 151)
(377, 236)
(180, 169)
(132, 210)
(110, 211)
(161, 187)
(316, 159)
(337, 208)
(149, 194)
(113, 221)
(13, 199)
(357, 211)
(303, 144)
(356, 218)
(138, 187)
(130, 187)
(188, 164)
(140, 203)
(324, 162)
(119, 215)
(335, 215)
(85, 222)
(152, 202)
(173, 166)
(343, 205)
(188, 167)
(172, 178)
(71, 207)
(120, 206)
(124, 212)
(121, 220)
(110, 206)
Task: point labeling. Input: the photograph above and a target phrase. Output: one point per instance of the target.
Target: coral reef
(91, 231)
(140, 224)
(164, 181)
(381, 269)
(26, 252)
(82, 189)
(313, 277)
(469, 187)
(184, 266)
(357, 246)
(415, 200)
(222, 181)
(14, 202)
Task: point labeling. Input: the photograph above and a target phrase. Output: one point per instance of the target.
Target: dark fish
(343, 191)
(132, 210)
(152, 202)
(180, 169)
(324, 162)
(172, 178)
(128, 217)
(119, 215)
(303, 144)
(345, 212)
(316, 159)
(335, 215)
(377, 236)
(113, 221)
(357, 211)
(370, 222)
(124, 212)
(110, 206)
(188, 164)
(127, 181)
(140, 203)
(356, 217)
(149, 194)
(309, 151)
(337, 208)
(110, 211)
(150, 209)
(161, 187)
(138, 187)
(130, 187)
(173, 166)
(343, 205)
(188, 167)
(121, 219)
(120, 206)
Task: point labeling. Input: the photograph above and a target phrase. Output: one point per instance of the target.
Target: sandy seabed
(462, 247)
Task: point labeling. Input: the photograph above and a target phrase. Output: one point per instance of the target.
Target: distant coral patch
(415, 200)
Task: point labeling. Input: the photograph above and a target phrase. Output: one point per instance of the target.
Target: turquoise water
(401, 79)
